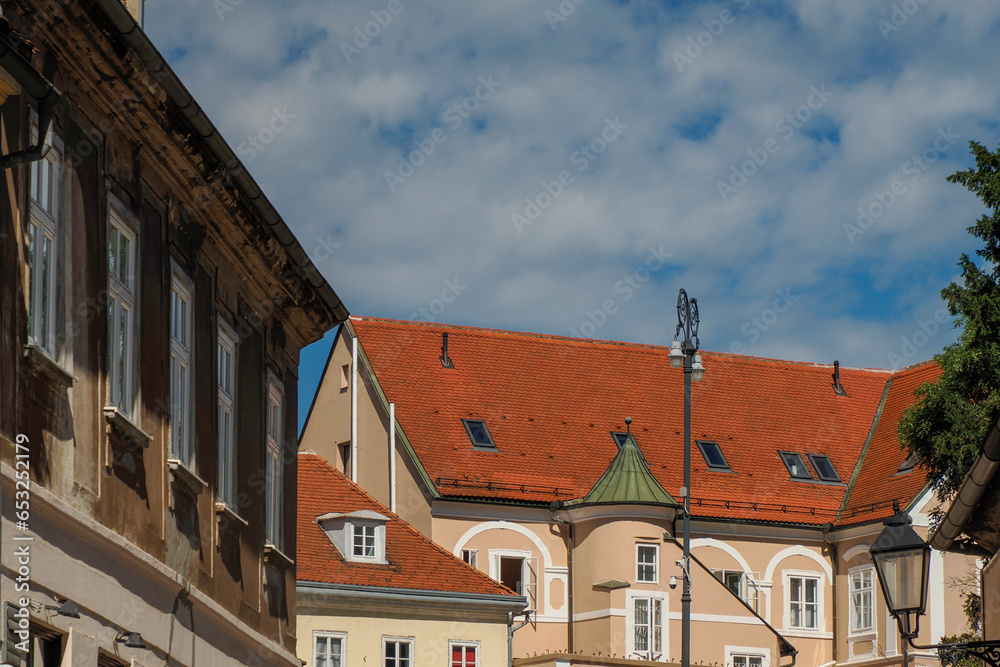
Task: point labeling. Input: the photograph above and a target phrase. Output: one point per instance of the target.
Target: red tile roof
(414, 561)
(551, 403)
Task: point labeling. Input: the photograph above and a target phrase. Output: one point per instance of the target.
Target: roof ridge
(402, 522)
(864, 451)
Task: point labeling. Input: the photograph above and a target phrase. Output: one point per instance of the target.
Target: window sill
(227, 513)
(276, 557)
(40, 360)
(187, 479)
(129, 433)
(861, 635)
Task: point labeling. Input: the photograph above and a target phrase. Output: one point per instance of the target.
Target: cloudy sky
(565, 167)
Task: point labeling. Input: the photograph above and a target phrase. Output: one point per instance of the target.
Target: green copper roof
(628, 481)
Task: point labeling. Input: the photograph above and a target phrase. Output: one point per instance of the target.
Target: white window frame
(181, 367)
(387, 639)
(749, 590)
(818, 577)
(379, 531)
(653, 598)
(733, 652)
(274, 473)
(44, 222)
(328, 635)
(655, 563)
(453, 644)
(226, 426)
(122, 303)
(471, 557)
(853, 628)
(529, 572)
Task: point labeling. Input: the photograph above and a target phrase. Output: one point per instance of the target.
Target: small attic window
(359, 536)
(620, 438)
(478, 433)
(824, 469)
(796, 466)
(713, 456)
(910, 463)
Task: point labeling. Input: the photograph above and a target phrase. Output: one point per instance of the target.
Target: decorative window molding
(862, 599)
(747, 656)
(122, 307)
(329, 649)
(274, 474)
(518, 571)
(181, 367)
(803, 600)
(471, 556)
(189, 480)
(647, 558)
(226, 424)
(39, 359)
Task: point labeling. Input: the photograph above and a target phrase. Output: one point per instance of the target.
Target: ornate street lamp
(684, 352)
(902, 563)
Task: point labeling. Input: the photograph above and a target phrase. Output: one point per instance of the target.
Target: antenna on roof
(445, 361)
(837, 387)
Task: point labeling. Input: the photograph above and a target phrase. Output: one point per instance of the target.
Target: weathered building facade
(513, 452)
(153, 306)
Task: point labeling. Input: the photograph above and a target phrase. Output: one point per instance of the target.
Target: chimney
(445, 361)
(837, 387)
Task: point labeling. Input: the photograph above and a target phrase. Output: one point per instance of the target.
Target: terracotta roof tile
(414, 561)
(551, 403)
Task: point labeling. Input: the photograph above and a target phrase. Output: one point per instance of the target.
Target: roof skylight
(796, 466)
(713, 455)
(824, 469)
(909, 463)
(478, 433)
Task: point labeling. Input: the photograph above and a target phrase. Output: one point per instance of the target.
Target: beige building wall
(991, 598)
(364, 631)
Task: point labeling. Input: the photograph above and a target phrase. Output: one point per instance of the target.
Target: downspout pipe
(835, 557)
(510, 634)
(35, 85)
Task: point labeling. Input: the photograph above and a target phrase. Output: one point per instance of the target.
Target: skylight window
(824, 469)
(478, 433)
(796, 466)
(713, 455)
(909, 463)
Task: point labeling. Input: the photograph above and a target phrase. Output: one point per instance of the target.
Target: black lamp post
(902, 563)
(684, 352)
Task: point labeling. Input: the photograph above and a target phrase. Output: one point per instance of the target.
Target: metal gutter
(33, 84)
(137, 40)
(387, 594)
(978, 479)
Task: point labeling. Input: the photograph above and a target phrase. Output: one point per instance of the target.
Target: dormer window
(479, 434)
(359, 536)
(796, 466)
(620, 438)
(713, 456)
(824, 469)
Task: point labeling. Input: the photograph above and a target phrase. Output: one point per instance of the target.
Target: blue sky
(565, 166)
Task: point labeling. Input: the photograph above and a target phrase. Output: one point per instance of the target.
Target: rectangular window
(713, 456)
(181, 353)
(862, 618)
(328, 650)
(43, 233)
(478, 433)
(364, 541)
(743, 584)
(803, 603)
(470, 556)
(747, 660)
(796, 466)
(647, 628)
(121, 311)
(397, 652)
(275, 469)
(824, 468)
(645, 563)
(464, 655)
(226, 372)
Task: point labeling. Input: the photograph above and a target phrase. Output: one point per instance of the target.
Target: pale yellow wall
(363, 644)
(991, 598)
